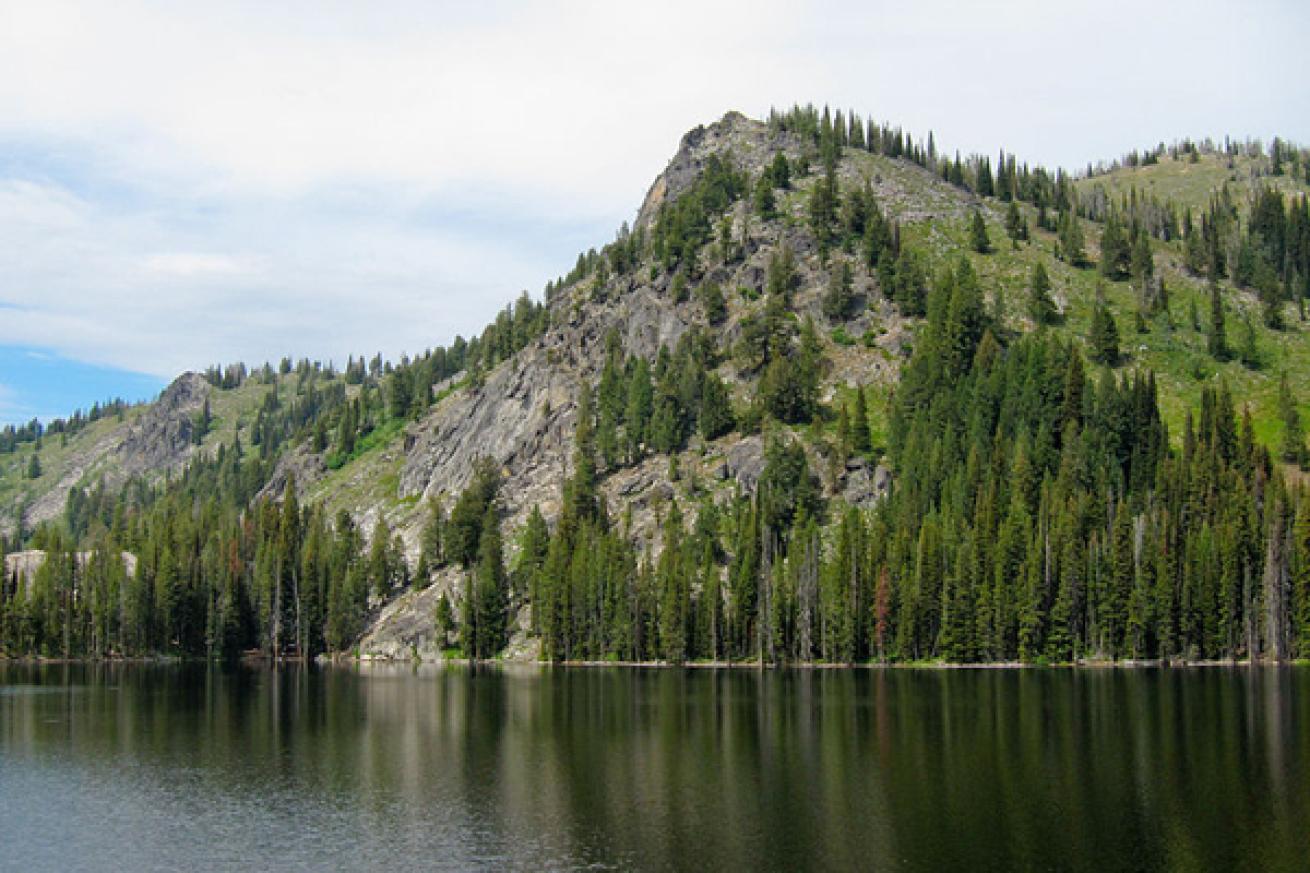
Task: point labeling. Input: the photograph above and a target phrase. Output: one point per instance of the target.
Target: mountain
(786, 287)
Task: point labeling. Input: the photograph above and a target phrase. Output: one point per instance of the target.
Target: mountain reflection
(541, 768)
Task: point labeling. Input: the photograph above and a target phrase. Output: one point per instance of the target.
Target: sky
(185, 184)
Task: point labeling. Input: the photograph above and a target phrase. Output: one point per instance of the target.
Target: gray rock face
(159, 441)
(300, 465)
(405, 629)
(745, 462)
(162, 438)
(751, 143)
(523, 416)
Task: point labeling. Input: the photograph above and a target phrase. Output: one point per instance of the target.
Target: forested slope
(833, 396)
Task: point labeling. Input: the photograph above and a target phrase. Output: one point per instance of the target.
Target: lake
(167, 767)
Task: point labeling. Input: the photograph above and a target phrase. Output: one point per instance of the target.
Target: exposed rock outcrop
(158, 441)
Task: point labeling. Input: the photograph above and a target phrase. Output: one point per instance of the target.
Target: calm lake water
(138, 767)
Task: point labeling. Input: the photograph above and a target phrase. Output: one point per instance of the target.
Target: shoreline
(350, 661)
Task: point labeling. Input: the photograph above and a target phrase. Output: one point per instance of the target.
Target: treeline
(217, 571)
(1038, 512)
(34, 431)
(1269, 255)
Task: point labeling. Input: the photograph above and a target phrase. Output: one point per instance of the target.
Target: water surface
(134, 767)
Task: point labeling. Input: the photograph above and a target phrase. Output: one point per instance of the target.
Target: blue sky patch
(39, 383)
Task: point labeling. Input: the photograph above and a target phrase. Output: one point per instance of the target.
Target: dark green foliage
(787, 488)
(978, 239)
(200, 427)
(1016, 225)
(1292, 447)
(467, 517)
(640, 403)
(443, 620)
(1104, 336)
(482, 628)
(431, 548)
(1217, 338)
(1035, 513)
(789, 387)
(762, 199)
(1142, 265)
(1072, 248)
(1250, 349)
(780, 279)
(779, 171)
(823, 207)
(716, 418)
(686, 224)
(1041, 308)
(861, 442)
(34, 466)
(1116, 249)
(839, 299)
(715, 307)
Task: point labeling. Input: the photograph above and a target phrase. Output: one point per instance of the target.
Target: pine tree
(1250, 352)
(640, 404)
(1142, 266)
(1104, 336)
(674, 590)
(379, 559)
(1293, 442)
(1016, 226)
(763, 201)
(489, 590)
(1041, 308)
(716, 308)
(860, 438)
(1217, 342)
(823, 206)
(978, 238)
(1071, 244)
(716, 417)
(839, 298)
(1116, 253)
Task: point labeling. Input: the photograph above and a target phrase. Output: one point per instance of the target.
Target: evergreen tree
(978, 238)
(1217, 342)
(1116, 252)
(431, 555)
(1293, 442)
(839, 298)
(1071, 247)
(1016, 226)
(465, 525)
(639, 407)
(1250, 351)
(763, 200)
(860, 438)
(716, 418)
(485, 601)
(1142, 266)
(380, 569)
(1104, 336)
(1041, 308)
(716, 308)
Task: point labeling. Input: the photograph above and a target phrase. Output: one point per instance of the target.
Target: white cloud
(187, 265)
(187, 183)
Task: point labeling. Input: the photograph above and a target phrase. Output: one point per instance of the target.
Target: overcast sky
(190, 183)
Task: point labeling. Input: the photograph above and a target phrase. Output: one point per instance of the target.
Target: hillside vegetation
(833, 396)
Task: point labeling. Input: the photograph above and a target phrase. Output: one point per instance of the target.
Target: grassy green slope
(1172, 347)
